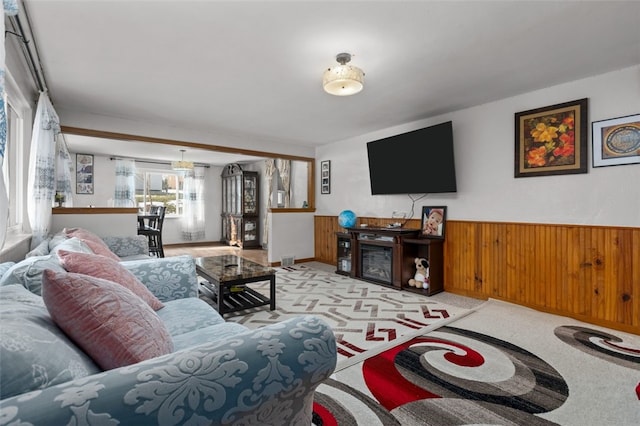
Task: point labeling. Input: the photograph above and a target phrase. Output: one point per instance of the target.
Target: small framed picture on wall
(325, 177)
(616, 141)
(84, 174)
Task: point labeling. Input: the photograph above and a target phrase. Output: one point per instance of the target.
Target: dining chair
(145, 222)
(153, 231)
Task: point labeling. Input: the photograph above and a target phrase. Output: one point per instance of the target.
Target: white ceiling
(254, 69)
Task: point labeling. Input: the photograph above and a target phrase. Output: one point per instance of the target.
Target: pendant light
(182, 166)
(343, 79)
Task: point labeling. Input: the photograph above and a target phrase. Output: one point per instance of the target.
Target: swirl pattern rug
(501, 365)
(366, 318)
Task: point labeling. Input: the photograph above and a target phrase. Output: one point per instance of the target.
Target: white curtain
(270, 168)
(284, 170)
(193, 214)
(125, 191)
(9, 7)
(42, 177)
(64, 168)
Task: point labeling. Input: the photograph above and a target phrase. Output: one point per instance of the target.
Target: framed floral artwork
(552, 140)
(616, 141)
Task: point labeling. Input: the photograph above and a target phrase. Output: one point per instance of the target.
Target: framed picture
(552, 140)
(325, 177)
(434, 221)
(84, 174)
(616, 141)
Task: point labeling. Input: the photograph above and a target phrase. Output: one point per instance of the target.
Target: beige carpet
(366, 318)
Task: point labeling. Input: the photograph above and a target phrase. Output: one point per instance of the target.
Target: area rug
(501, 365)
(366, 318)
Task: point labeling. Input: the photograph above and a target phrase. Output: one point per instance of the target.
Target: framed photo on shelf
(325, 177)
(84, 174)
(434, 221)
(616, 141)
(552, 140)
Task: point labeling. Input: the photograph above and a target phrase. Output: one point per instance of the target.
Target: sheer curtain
(9, 7)
(42, 178)
(125, 191)
(64, 169)
(284, 170)
(270, 168)
(193, 214)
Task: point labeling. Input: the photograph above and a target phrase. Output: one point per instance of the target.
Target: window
(160, 188)
(11, 165)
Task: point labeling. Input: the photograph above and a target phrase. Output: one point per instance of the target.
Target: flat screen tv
(415, 162)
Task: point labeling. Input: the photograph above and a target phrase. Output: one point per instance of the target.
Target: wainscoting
(591, 273)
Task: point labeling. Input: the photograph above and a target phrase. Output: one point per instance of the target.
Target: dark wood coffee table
(226, 282)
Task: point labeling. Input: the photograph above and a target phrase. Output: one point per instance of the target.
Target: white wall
(484, 155)
(299, 172)
(292, 236)
(104, 184)
(104, 181)
(139, 128)
(104, 225)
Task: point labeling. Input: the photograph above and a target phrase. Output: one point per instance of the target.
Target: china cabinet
(240, 208)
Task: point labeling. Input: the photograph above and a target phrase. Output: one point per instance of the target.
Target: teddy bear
(421, 278)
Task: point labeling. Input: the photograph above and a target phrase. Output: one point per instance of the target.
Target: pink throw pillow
(107, 269)
(104, 319)
(94, 242)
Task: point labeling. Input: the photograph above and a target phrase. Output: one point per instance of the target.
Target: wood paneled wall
(591, 273)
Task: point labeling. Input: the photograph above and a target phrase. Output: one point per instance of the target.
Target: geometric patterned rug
(502, 365)
(366, 318)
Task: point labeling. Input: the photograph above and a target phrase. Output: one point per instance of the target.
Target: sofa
(209, 371)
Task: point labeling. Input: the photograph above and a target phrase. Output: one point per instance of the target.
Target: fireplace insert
(377, 263)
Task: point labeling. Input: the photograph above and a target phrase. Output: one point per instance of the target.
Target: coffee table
(226, 282)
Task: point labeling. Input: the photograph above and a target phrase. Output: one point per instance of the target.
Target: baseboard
(195, 244)
(307, 259)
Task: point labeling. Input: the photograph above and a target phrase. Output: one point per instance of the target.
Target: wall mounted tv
(415, 162)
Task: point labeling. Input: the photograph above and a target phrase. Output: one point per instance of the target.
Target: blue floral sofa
(218, 373)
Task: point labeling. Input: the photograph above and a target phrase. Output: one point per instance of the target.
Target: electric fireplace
(377, 263)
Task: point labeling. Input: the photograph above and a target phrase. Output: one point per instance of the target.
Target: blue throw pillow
(34, 352)
(28, 273)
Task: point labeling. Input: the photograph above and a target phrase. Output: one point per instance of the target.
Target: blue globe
(347, 219)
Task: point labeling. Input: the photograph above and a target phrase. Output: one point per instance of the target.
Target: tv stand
(386, 256)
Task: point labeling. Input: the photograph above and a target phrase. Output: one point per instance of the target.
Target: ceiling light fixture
(343, 79)
(182, 166)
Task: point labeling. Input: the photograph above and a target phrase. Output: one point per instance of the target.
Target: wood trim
(290, 210)
(307, 259)
(564, 225)
(94, 210)
(587, 272)
(311, 176)
(311, 184)
(128, 137)
(197, 244)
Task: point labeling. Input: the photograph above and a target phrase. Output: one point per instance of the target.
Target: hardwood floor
(216, 249)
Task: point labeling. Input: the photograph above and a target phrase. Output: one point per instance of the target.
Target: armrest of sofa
(263, 376)
(168, 278)
(127, 246)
